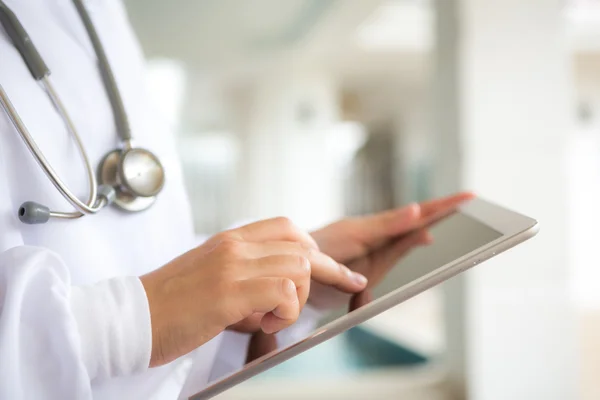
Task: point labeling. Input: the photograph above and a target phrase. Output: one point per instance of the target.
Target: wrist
(157, 356)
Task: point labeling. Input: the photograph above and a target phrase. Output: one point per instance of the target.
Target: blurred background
(316, 109)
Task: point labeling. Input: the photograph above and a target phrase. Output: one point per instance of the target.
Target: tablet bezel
(514, 229)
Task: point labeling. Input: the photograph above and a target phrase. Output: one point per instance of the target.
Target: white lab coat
(74, 318)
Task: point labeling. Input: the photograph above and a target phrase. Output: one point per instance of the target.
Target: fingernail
(271, 331)
(288, 288)
(415, 210)
(267, 331)
(359, 278)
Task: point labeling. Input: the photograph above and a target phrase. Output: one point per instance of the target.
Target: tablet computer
(463, 238)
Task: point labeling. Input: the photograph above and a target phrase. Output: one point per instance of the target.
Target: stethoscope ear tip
(32, 213)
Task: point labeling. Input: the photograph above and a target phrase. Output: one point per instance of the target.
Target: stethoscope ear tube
(116, 102)
(20, 127)
(23, 43)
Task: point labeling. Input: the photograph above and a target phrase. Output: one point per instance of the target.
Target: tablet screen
(454, 237)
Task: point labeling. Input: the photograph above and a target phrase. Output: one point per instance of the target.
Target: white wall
(505, 108)
(288, 166)
(584, 186)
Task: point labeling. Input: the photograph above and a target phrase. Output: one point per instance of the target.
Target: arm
(50, 330)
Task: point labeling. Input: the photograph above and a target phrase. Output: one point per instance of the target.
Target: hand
(324, 270)
(372, 245)
(255, 277)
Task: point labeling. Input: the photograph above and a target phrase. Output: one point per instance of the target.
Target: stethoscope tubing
(109, 191)
(93, 205)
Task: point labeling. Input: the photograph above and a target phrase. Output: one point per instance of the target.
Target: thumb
(381, 227)
(260, 344)
(360, 299)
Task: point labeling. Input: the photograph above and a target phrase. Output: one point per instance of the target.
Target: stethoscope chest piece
(137, 176)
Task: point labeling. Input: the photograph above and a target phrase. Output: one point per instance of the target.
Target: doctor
(100, 303)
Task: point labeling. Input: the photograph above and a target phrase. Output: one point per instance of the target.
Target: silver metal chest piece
(137, 176)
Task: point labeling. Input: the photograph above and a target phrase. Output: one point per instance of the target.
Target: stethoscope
(129, 177)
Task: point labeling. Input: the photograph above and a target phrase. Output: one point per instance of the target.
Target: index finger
(378, 228)
(274, 229)
(324, 269)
